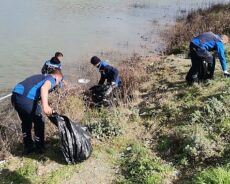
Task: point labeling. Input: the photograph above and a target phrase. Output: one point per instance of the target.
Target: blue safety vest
(31, 86)
(210, 41)
(110, 73)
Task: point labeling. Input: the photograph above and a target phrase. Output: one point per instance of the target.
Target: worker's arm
(221, 56)
(114, 72)
(102, 79)
(44, 97)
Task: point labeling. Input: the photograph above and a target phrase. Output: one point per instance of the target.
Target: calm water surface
(32, 30)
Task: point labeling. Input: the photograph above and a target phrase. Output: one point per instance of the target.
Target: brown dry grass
(10, 129)
(68, 101)
(132, 74)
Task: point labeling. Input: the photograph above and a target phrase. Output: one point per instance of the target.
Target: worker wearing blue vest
(108, 73)
(25, 98)
(53, 64)
(200, 48)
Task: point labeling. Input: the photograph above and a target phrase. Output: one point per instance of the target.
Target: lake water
(32, 30)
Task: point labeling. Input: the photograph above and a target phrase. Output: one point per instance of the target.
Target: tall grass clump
(68, 101)
(132, 74)
(10, 129)
(215, 19)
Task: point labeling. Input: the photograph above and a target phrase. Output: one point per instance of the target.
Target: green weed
(137, 166)
(213, 176)
(26, 174)
(103, 123)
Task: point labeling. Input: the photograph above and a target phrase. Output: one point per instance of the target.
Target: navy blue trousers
(29, 112)
(199, 55)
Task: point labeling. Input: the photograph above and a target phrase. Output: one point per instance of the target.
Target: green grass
(217, 175)
(26, 173)
(61, 174)
(138, 166)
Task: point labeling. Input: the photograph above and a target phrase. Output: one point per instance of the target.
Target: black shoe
(227, 75)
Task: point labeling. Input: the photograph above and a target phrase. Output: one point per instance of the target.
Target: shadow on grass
(166, 86)
(8, 176)
(52, 152)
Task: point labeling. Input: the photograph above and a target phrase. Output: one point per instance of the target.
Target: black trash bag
(103, 95)
(75, 139)
(98, 92)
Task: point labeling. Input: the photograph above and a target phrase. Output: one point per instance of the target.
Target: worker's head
(95, 61)
(57, 74)
(59, 56)
(224, 39)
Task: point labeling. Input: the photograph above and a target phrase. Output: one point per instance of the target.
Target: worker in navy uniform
(200, 52)
(53, 64)
(109, 74)
(25, 98)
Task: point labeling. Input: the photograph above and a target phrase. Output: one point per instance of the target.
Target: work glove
(113, 84)
(107, 93)
(226, 74)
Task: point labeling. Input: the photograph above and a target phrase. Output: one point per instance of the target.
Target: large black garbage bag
(98, 92)
(99, 97)
(75, 139)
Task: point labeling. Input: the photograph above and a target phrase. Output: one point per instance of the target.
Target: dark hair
(55, 60)
(56, 72)
(95, 60)
(57, 54)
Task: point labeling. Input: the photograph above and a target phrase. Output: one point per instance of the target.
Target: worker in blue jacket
(25, 99)
(109, 74)
(200, 51)
(53, 64)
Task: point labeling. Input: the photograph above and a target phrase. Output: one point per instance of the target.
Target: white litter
(83, 81)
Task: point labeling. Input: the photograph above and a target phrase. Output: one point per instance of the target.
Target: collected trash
(75, 139)
(102, 95)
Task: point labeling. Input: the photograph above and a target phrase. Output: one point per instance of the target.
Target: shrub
(190, 144)
(212, 114)
(132, 73)
(103, 123)
(199, 144)
(104, 129)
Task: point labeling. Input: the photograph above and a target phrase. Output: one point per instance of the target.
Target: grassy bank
(162, 132)
(167, 133)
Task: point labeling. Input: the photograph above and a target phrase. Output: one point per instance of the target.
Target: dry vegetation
(215, 19)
